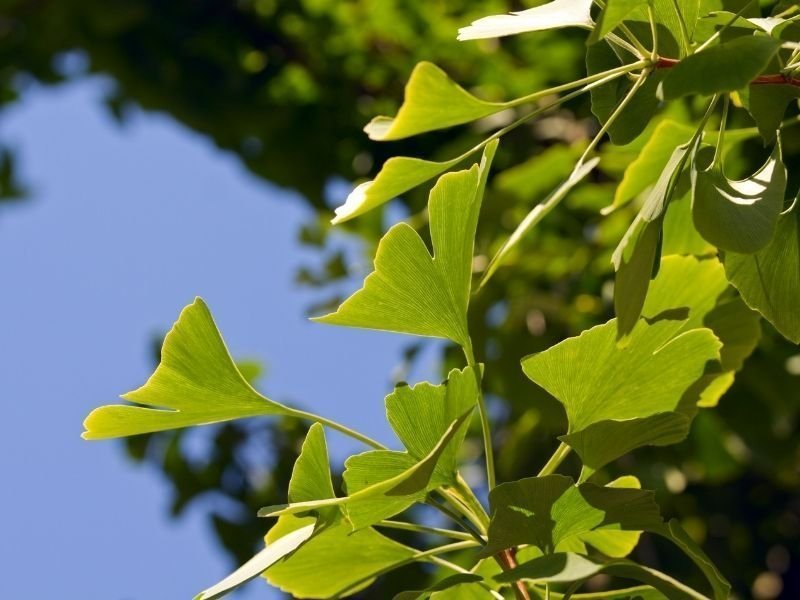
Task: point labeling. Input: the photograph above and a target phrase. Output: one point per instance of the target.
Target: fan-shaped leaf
(398, 175)
(739, 216)
(607, 388)
(412, 291)
(724, 68)
(444, 584)
(544, 511)
(196, 383)
(380, 500)
(615, 12)
(769, 280)
(553, 15)
(335, 562)
(432, 101)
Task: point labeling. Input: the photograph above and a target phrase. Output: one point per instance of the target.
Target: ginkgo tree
(705, 258)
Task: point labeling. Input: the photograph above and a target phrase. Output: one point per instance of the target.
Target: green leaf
(571, 567)
(615, 12)
(769, 280)
(739, 216)
(767, 105)
(652, 160)
(444, 584)
(605, 98)
(379, 501)
(411, 291)
(637, 255)
(539, 212)
(553, 15)
(335, 562)
(679, 234)
(466, 591)
(432, 101)
(632, 389)
(398, 175)
(275, 551)
(421, 414)
(311, 475)
(196, 383)
(673, 531)
(724, 68)
(544, 511)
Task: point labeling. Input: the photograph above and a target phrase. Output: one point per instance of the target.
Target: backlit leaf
(335, 562)
(739, 216)
(398, 175)
(632, 389)
(311, 475)
(553, 15)
(411, 291)
(196, 383)
(376, 502)
(432, 101)
(446, 583)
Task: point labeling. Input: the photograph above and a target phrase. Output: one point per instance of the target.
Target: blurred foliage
(287, 86)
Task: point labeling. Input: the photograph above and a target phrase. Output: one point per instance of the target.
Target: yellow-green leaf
(432, 101)
(411, 291)
(196, 383)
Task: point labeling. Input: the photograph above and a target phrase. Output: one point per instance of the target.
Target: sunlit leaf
(769, 280)
(654, 157)
(553, 15)
(398, 175)
(432, 101)
(371, 504)
(724, 68)
(539, 212)
(275, 551)
(196, 383)
(631, 390)
(335, 562)
(311, 475)
(739, 216)
(411, 291)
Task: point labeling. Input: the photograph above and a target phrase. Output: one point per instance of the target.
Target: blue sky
(125, 226)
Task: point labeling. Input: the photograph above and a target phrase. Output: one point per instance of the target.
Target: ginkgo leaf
(767, 105)
(653, 158)
(196, 383)
(631, 389)
(369, 505)
(432, 101)
(739, 216)
(539, 212)
(336, 562)
(398, 175)
(420, 415)
(311, 475)
(769, 280)
(254, 567)
(614, 13)
(635, 258)
(411, 291)
(723, 68)
(446, 583)
(570, 567)
(543, 511)
(553, 15)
